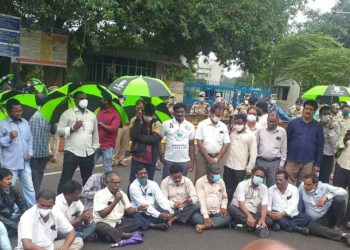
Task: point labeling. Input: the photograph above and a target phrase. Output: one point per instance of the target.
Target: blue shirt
(15, 151)
(40, 129)
(305, 141)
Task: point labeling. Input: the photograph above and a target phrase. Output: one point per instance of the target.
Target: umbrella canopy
(139, 86)
(39, 86)
(161, 112)
(28, 102)
(331, 92)
(61, 99)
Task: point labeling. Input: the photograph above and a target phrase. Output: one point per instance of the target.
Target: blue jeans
(107, 155)
(4, 238)
(289, 224)
(25, 178)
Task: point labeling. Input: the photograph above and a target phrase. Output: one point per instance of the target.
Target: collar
(210, 123)
(272, 131)
(171, 182)
(9, 119)
(175, 121)
(251, 185)
(76, 109)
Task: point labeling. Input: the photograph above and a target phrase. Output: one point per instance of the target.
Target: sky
(322, 6)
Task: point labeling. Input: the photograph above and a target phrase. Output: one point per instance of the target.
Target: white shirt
(70, 212)
(149, 195)
(344, 158)
(85, 140)
(178, 136)
(31, 226)
(213, 136)
(263, 121)
(253, 198)
(102, 199)
(252, 130)
(287, 202)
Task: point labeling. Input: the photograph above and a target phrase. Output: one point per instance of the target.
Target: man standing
(170, 103)
(78, 125)
(39, 226)
(262, 108)
(241, 155)
(305, 141)
(228, 108)
(40, 129)
(179, 146)
(212, 140)
(296, 110)
(108, 124)
(249, 204)
(272, 148)
(326, 205)
(201, 107)
(344, 124)
(283, 206)
(16, 144)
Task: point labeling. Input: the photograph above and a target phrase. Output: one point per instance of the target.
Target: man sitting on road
(39, 226)
(283, 206)
(249, 204)
(326, 205)
(110, 205)
(146, 192)
(73, 209)
(212, 197)
(181, 194)
(95, 183)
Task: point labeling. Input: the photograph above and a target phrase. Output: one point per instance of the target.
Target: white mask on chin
(215, 119)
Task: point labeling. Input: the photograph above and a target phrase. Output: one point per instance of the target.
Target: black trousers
(232, 178)
(240, 218)
(38, 166)
(185, 214)
(323, 226)
(114, 234)
(342, 179)
(70, 164)
(326, 168)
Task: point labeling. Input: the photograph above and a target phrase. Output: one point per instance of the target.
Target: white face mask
(251, 118)
(239, 128)
(147, 118)
(83, 103)
(44, 212)
(201, 99)
(215, 119)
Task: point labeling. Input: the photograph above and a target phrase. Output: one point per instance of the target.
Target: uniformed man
(243, 107)
(201, 107)
(228, 108)
(296, 110)
(170, 103)
(336, 115)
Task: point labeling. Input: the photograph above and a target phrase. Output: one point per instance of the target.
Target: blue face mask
(215, 177)
(257, 180)
(143, 181)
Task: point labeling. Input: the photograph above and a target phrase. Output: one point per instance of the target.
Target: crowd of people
(252, 173)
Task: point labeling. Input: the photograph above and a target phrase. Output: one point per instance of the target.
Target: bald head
(267, 245)
(272, 120)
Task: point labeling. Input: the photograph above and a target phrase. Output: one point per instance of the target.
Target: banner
(9, 35)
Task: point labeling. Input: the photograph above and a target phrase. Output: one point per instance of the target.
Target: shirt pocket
(89, 126)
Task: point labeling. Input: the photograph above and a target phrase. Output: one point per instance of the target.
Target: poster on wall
(9, 35)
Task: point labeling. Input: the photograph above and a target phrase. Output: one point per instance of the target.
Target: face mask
(251, 118)
(143, 181)
(239, 128)
(83, 103)
(257, 180)
(147, 118)
(44, 212)
(324, 118)
(215, 177)
(215, 119)
(201, 99)
(346, 113)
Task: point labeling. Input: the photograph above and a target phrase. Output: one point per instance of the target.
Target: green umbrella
(39, 86)
(330, 92)
(161, 112)
(61, 99)
(28, 102)
(139, 86)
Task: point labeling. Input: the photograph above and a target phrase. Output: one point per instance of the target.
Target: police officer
(228, 108)
(296, 110)
(170, 103)
(201, 107)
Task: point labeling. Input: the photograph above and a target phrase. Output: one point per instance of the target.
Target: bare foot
(199, 228)
(171, 220)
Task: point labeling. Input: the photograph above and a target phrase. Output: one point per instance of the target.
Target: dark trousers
(218, 220)
(323, 226)
(270, 170)
(114, 234)
(289, 224)
(326, 168)
(342, 179)
(38, 166)
(147, 220)
(232, 178)
(240, 218)
(70, 164)
(151, 168)
(167, 165)
(185, 214)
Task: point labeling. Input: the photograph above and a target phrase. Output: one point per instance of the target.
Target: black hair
(274, 112)
(311, 103)
(149, 109)
(250, 109)
(264, 106)
(258, 168)
(139, 101)
(71, 186)
(240, 116)
(313, 177)
(325, 109)
(40, 99)
(179, 105)
(47, 194)
(107, 96)
(4, 172)
(284, 172)
(175, 168)
(10, 103)
(345, 106)
(139, 169)
(75, 95)
(216, 106)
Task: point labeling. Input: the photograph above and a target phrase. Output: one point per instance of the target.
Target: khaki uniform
(242, 109)
(294, 113)
(200, 108)
(228, 108)
(170, 107)
(337, 118)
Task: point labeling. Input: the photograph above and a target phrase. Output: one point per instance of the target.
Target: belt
(213, 155)
(269, 160)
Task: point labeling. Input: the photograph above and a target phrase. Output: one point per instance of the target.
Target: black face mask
(102, 106)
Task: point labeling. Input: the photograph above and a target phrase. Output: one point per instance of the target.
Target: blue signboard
(9, 35)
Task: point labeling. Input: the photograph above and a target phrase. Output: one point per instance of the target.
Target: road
(184, 236)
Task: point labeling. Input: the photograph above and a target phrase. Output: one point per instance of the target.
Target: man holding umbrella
(78, 125)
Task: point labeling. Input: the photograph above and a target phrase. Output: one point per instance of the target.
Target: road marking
(78, 169)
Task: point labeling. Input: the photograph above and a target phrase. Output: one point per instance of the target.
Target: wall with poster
(42, 48)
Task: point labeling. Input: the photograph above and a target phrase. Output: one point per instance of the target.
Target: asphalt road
(184, 236)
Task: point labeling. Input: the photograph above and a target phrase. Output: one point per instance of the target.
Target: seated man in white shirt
(283, 206)
(110, 205)
(39, 226)
(73, 209)
(249, 204)
(146, 192)
(181, 194)
(212, 197)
